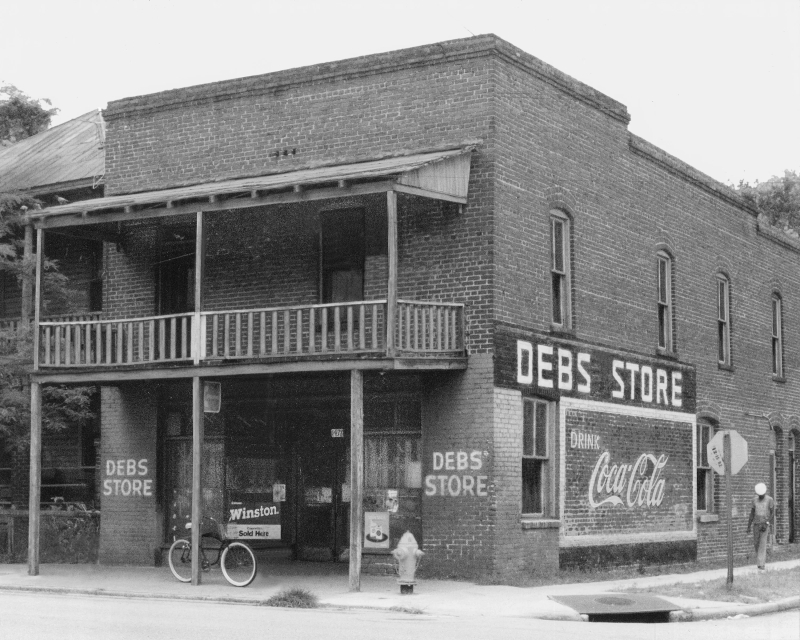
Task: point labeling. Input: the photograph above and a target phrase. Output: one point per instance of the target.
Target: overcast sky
(713, 82)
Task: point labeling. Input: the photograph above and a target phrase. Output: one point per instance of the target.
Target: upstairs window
(343, 253)
(777, 336)
(723, 321)
(665, 341)
(560, 268)
(536, 458)
(705, 479)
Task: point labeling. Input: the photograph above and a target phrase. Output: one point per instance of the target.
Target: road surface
(41, 616)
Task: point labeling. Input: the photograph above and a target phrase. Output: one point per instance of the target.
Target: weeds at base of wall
(64, 539)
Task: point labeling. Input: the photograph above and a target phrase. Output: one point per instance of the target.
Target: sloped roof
(440, 174)
(68, 154)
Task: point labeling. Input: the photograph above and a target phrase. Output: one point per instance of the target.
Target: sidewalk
(329, 583)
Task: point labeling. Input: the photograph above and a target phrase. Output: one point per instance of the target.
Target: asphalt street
(66, 617)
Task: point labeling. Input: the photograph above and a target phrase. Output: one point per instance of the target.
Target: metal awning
(443, 175)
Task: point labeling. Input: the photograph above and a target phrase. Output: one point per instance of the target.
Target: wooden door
(321, 471)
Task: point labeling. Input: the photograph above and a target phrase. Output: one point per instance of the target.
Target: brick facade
(544, 142)
(130, 521)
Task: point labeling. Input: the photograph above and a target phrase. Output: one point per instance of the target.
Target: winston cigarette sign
(254, 521)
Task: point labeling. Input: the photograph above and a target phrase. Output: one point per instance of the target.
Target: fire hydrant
(407, 556)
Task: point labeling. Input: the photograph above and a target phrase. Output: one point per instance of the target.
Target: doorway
(322, 500)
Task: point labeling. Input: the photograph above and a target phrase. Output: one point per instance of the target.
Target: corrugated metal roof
(431, 172)
(70, 152)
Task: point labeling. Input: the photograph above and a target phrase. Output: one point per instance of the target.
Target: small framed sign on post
(212, 397)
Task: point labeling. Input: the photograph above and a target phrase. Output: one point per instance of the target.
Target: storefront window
(392, 445)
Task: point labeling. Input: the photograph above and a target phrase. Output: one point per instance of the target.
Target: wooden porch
(335, 331)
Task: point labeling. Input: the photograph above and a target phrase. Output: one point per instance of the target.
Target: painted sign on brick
(627, 474)
(541, 365)
(457, 473)
(128, 477)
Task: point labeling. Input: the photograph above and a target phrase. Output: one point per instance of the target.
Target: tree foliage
(61, 406)
(22, 116)
(778, 199)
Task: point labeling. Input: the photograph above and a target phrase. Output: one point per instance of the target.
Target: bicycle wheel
(180, 560)
(238, 564)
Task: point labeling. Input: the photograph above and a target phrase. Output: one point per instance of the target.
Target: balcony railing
(422, 329)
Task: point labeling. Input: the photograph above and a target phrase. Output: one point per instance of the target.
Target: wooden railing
(422, 329)
(351, 327)
(429, 328)
(86, 343)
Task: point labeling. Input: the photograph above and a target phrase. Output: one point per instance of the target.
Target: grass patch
(764, 586)
(294, 598)
(599, 574)
(411, 610)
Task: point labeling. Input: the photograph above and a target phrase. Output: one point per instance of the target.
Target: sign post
(727, 450)
(729, 506)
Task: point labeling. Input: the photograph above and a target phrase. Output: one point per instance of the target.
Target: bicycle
(236, 559)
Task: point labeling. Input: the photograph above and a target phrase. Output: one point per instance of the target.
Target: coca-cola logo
(634, 485)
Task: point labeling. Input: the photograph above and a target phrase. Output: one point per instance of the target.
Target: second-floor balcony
(433, 330)
(342, 266)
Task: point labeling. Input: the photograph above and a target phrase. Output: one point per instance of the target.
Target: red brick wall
(547, 143)
(457, 416)
(130, 528)
(627, 200)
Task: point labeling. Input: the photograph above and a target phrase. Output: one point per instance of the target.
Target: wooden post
(197, 475)
(37, 306)
(199, 267)
(726, 455)
(27, 282)
(391, 292)
(356, 475)
(35, 479)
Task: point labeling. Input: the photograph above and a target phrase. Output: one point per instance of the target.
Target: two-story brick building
(443, 288)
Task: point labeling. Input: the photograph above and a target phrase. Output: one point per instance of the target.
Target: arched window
(560, 269)
(723, 320)
(665, 310)
(777, 336)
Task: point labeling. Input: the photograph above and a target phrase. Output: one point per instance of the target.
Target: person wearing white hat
(762, 514)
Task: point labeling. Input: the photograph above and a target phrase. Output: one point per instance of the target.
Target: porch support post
(35, 479)
(37, 305)
(198, 334)
(356, 475)
(27, 282)
(391, 292)
(197, 475)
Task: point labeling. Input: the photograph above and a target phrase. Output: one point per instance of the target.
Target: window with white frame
(536, 458)
(665, 302)
(723, 320)
(705, 477)
(560, 268)
(777, 336)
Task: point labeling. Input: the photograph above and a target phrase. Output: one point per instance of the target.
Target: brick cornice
(677, 167)
(276, 82)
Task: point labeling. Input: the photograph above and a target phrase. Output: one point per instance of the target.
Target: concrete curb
(132, 594)
(138, 595)
(715, 613)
